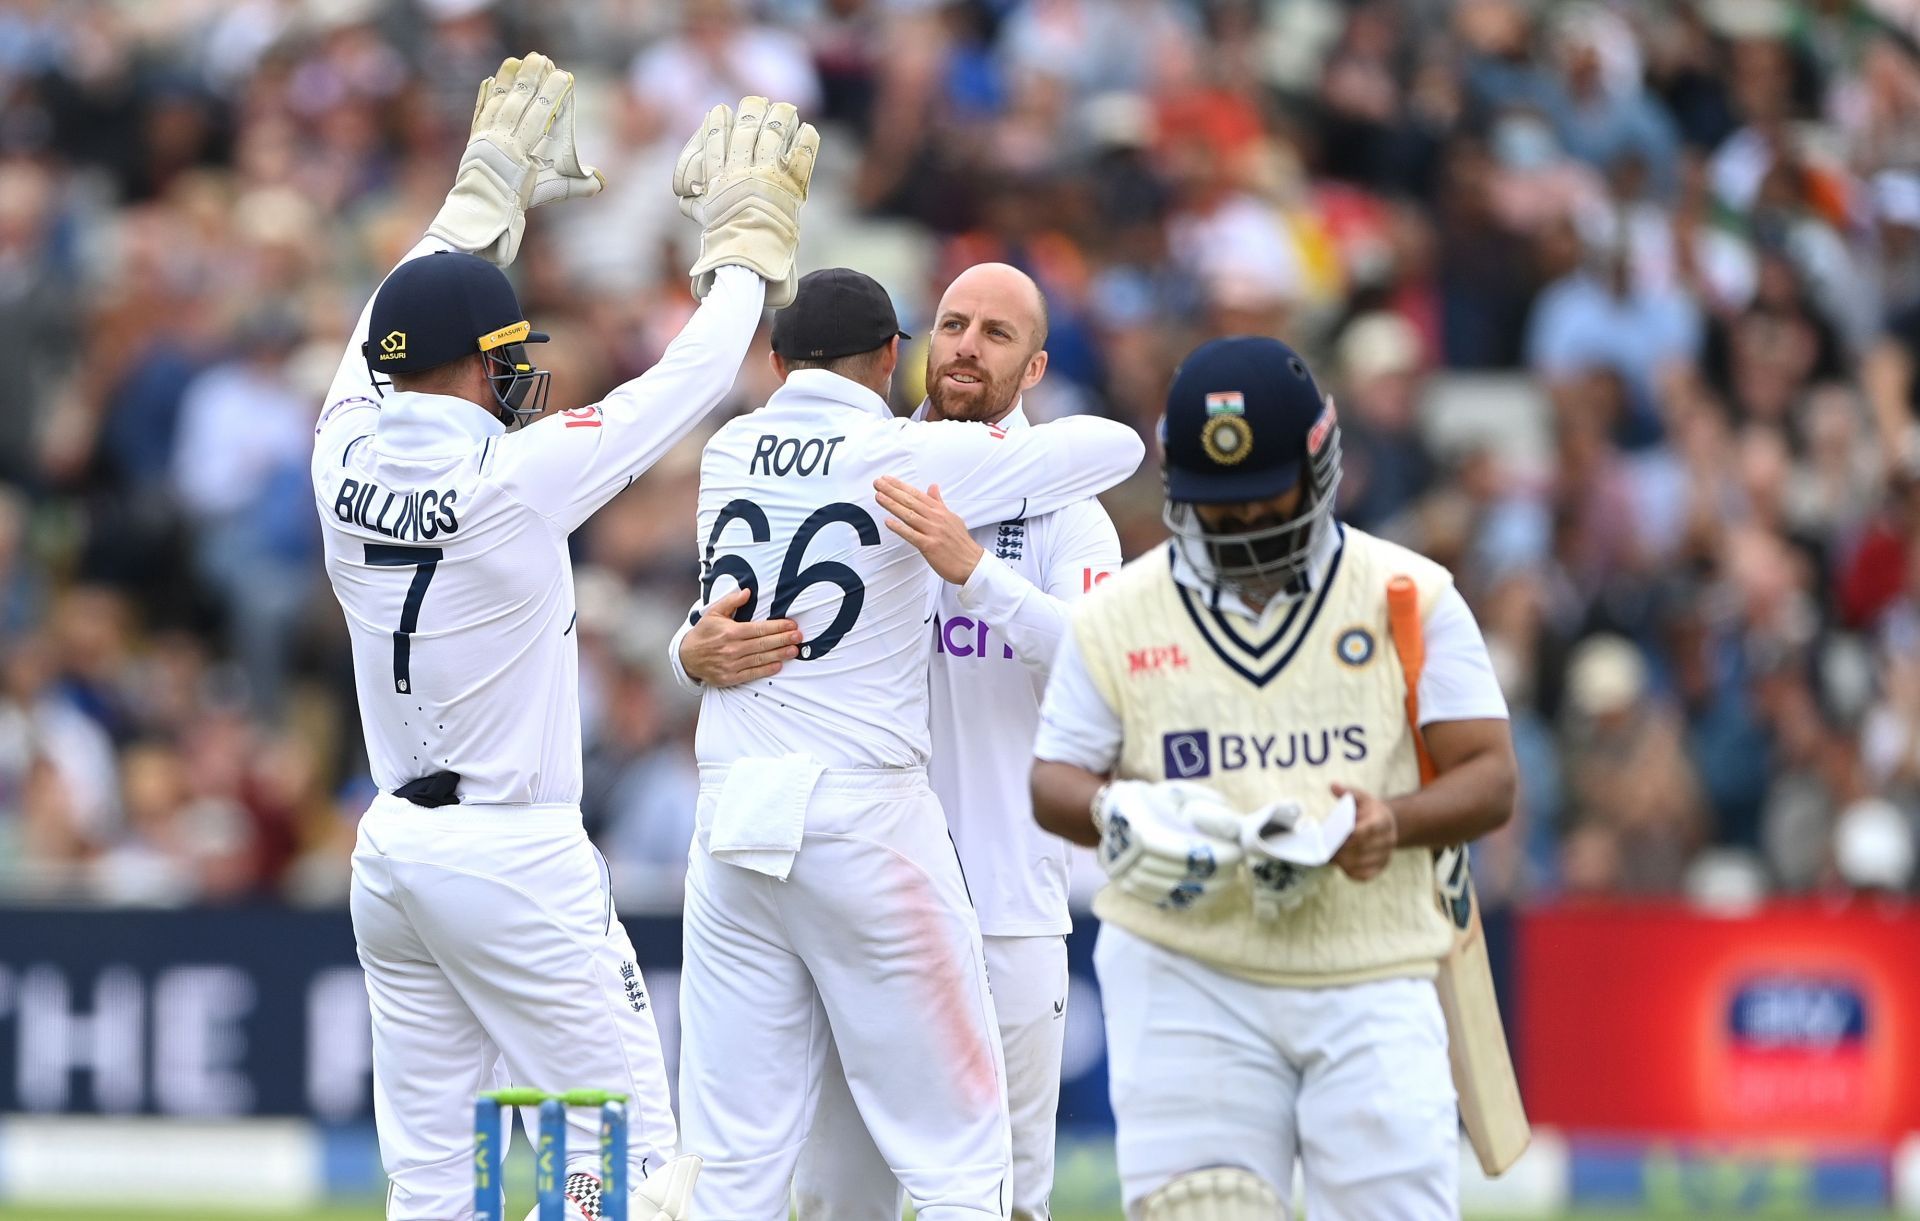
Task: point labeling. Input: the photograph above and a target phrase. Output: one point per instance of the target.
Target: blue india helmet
(1245, 423)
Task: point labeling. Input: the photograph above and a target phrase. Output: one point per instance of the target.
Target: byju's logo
(1187, 754)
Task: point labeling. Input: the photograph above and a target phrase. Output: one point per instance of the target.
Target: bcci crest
(1224, 435)
(1226, 439)
(1355, 646)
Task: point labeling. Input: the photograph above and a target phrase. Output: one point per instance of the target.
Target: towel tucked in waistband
(761, 814)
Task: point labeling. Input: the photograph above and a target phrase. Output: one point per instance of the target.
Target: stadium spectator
(1635, 807)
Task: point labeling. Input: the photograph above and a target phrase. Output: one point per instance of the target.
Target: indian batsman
(1000, 618)
(483, 916)
(1219, 715)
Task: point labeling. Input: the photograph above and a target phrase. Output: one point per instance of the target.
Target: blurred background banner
(1796, 1024)
(189, 1013)
(224, 1013)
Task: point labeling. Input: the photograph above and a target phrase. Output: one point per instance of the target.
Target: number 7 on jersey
(423, 560)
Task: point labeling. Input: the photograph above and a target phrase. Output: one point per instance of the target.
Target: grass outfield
(370, 1211)
(1084, 1190)
(519, 1208)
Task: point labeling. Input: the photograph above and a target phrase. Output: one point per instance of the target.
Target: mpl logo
(1155, 660)
(1797, 1047)
(1187, 754)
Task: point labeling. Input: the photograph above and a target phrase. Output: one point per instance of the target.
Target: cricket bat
(1490, 1104)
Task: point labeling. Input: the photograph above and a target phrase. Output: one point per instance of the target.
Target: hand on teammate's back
(721, 651)
(937, 532)
(1376, 833)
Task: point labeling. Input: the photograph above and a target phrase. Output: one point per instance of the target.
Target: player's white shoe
(581, 1193)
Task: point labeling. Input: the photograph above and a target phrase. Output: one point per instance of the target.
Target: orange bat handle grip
(1409, 641)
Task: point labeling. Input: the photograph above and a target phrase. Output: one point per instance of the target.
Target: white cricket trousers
(842, 1176)
(493, 957)
(871, 944)
(1207, 1069)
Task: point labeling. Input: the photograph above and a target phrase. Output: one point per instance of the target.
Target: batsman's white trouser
(1206, 1069)
(842, 1177)
(871, 944)
(493, 957)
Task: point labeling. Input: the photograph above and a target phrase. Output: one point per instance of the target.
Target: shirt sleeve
(686, 681)
(1033, 618)
(566, 465)
(1458, 683)
(352, 401)
(1077, 725)
(987, 475)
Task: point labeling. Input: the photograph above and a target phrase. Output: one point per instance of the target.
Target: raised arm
(352, 387)
(744, 175)
(986, 475)
(520, 154)
(566, 465)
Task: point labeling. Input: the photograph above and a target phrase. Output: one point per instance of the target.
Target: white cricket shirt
(787, 507)
(1078, 726)
(446, 542)
(994, 639)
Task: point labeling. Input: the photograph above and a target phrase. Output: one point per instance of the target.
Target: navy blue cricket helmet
(1245, 423)
(443, 306)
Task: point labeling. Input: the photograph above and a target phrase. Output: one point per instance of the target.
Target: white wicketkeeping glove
(743, 176)
(1287, 852)
(520, 155)
(1173, 844)
(669, 1190)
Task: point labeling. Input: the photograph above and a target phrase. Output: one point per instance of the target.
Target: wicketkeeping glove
(669, 1190)
(521, 155)
(1172, 844)
(743, 176)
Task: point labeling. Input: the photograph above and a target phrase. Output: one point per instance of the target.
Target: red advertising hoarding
(1798, 1022)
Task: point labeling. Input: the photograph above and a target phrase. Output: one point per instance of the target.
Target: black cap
(836, 311)
(440, 307)
(1243, 416)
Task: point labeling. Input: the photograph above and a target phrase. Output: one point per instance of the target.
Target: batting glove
(1287, 852)
(1172, 844)
(744, 176)
(520, 155)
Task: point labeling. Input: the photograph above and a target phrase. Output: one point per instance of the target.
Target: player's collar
(431, 425)
(1017, 418)
(816, 387)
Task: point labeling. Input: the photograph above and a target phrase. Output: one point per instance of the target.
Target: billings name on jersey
(403, 515)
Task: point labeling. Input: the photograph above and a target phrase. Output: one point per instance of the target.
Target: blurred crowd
(1620, 303)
